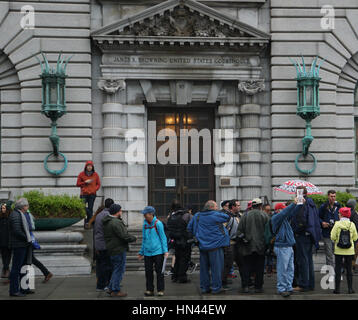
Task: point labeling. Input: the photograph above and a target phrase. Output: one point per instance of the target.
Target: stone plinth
(62, 252)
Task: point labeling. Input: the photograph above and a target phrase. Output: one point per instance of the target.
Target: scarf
(26, 227)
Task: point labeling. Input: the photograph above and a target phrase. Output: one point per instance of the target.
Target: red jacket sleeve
(80, 182)
(98, 182)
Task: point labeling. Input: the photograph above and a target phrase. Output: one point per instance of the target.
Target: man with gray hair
(207, 227)
(20, 242)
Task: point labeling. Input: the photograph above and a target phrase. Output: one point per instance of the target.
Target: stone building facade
(214, 64)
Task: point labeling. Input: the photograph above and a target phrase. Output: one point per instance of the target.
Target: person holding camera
(252, 245)
(284, 241)
(328, 214)
(207, 227)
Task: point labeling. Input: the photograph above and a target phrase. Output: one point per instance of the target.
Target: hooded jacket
(116, 235)
(208, 229)
(282, 228)
(344, 223)
(92, 187)
(154, 239)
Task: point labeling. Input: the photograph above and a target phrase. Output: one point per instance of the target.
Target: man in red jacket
(88, 181)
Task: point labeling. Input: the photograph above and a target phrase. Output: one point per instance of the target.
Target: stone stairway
(132, 261)
(134, 265)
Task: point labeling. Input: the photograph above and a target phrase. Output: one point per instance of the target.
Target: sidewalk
(83, 288)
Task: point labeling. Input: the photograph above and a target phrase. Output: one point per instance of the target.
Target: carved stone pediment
(183, 21)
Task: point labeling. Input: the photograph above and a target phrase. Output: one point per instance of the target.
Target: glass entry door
(190, 183)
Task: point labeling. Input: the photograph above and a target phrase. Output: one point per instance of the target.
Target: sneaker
(48, 277)
(160, 293)
(220, 291)
(232, 275)
(298, 289)
(259, 290)
(18, 295)
(149, 293)
(192, 267)
(285, 294)
(119, 294)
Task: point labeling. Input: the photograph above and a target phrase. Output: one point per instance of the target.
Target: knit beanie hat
(351, 203)
(114, 208)
(345, 212)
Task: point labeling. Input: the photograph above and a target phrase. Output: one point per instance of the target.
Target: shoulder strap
(155, 227)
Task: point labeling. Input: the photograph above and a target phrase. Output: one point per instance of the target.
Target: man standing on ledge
(89, 182)
(207, 227)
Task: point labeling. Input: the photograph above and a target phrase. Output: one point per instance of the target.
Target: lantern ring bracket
(56, 172)
(303, 171)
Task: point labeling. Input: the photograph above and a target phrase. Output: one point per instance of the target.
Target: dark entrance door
(189, 183)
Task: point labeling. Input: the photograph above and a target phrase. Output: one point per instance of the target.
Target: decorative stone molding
(251, 87)
(111, 86)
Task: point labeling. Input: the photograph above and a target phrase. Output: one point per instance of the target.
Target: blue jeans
(89, 201)
(119, 266)
(211, 262)
(305, 262)
(285, 268)
(18, 260)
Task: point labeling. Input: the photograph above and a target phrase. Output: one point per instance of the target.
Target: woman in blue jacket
(154, 249)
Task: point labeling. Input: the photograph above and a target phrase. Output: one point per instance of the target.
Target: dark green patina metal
(54, 103)
(307, 106)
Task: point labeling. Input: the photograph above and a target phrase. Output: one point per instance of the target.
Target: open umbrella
(290, 187)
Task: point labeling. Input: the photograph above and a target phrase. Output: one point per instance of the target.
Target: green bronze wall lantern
(54, 103)
(307, 106)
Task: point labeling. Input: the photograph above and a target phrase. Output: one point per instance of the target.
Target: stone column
(122, 182)
(250, 136)
(229, 185)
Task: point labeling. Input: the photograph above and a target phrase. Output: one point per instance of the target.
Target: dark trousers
(346, 262)
(6, 257)
(39, 265)
(295, 278)
(253, 263)
(18, 261)
(182, 258)
(103, 268)
(157, 263)
(89, 201)
(228, 262)
(305, 262)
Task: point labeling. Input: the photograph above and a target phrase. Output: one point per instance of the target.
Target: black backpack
(177, 229)
(345, 238)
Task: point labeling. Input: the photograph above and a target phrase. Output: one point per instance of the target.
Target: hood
(107, 219)
(87, 163)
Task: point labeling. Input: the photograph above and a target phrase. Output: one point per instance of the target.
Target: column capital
(111, 85)
(251, 86)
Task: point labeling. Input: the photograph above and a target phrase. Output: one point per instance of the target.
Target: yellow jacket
(336, 231)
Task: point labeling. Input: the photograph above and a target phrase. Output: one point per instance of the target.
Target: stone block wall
(296, 29)
(59, 26)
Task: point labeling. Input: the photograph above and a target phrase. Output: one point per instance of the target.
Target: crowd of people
(283, 241)
(253, 240)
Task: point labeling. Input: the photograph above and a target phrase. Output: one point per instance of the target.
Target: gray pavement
(83, 288)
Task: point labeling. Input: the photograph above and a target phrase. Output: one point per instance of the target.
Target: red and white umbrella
(290, 187)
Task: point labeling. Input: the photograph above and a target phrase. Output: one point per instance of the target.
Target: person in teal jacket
(154, 249)
(284, 241)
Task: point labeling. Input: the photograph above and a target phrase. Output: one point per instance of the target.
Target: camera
(331, 223)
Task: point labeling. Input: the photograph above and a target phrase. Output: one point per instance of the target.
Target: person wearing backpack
(177, 232)
(154, 249)
(344, 233)
(283, 241)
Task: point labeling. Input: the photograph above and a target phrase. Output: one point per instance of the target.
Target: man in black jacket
(20, 242)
